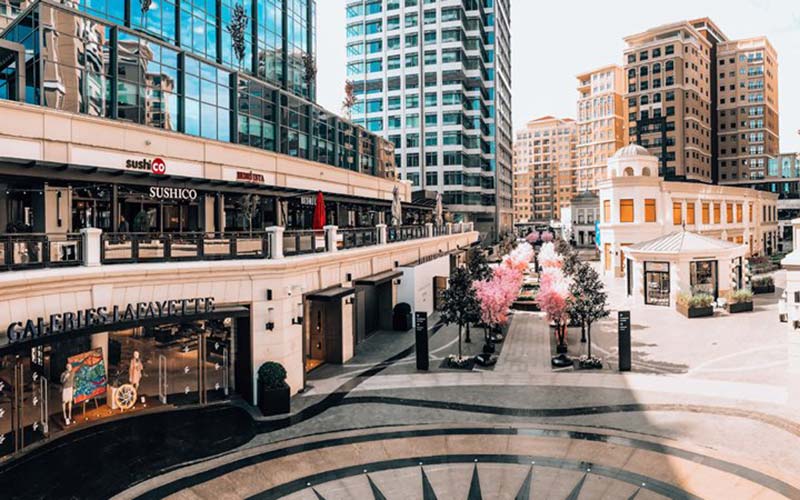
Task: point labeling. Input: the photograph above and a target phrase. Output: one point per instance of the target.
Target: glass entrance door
(24, 404)
(656, 283)
(703, 277)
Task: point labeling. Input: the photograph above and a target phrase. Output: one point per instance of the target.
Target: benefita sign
(101, 316)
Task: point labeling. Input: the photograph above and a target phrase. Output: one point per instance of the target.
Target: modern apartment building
(602, 123)
(434, 78)
(544, 169)
(705, 105)
(747, 110)
(9, 10)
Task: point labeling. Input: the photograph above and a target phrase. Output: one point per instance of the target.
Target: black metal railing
(119, 248)
(301, 242)
(405, 233)
(34, 251)
(357, 237)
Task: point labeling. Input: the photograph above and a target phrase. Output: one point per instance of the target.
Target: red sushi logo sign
(157, 165)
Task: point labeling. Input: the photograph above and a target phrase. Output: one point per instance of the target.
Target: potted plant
(695, 306)
(765, 284)
(740, 301)
(273, 391)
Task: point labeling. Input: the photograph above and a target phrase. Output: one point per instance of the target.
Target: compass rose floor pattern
(477, 462)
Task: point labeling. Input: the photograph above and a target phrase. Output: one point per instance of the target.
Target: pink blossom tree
(554, 299)
(547, 236)
(533, 237)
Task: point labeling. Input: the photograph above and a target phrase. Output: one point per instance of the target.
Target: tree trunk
(468, 340)
(583, 331)
(589, 335)
(459, 341)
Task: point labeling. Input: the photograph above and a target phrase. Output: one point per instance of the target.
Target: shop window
(626, 210)
(677, 213)
(650, 210)
(606, 210)
(706, 214)
(739, 215)
(690, 214)
(717, 213)
(729, 213)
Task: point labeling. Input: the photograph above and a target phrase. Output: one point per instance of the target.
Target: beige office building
(747, 110)
(544, 168)
(602, 127)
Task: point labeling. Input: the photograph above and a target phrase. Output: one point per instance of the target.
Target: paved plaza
(680, 425)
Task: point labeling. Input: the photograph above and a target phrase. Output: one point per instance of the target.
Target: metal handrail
(358, 237)
(183, 246)
(304, 241)
(39, 250)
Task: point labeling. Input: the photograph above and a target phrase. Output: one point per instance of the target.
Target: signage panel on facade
(170, 193)
(101, 316)
(250, 177)
(156, 166)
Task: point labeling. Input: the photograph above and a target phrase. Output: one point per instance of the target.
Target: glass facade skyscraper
(434, 77)
(240, 71)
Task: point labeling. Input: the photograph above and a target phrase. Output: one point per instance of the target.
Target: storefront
(683, 262)
(80, 368)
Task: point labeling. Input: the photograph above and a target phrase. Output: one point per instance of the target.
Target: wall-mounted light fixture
(298, 317)
(269, 293)
(348, 300)
(396, 263)
(270, 326)
(58, 209)
(349, 277)
(397, 281)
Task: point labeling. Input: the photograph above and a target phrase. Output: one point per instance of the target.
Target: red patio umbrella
(318, 222)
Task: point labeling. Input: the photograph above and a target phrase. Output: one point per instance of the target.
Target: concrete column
(449, 228)
(429, 230)
(382, 236)
(276, 241)
(90, 238)
(330, 238)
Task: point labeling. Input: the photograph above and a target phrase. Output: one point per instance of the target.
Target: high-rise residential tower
(747, 110)
(434, 77)
(602, 127)
(544, 169)
(704, 104)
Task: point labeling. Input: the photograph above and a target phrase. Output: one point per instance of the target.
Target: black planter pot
(695, 312)
(740, 307)
(561, 349)
(763, 289)
(273, 401)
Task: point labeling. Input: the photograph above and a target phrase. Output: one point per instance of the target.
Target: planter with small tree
(763, 285)
(459, 307)
(740, 301)
(273, 391)
(695, 306)
(589, 304)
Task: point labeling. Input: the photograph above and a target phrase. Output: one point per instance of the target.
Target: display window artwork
(90, 375)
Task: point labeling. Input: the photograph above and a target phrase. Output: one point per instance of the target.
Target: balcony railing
(303, 242)
(32, 251)
(119, 248)
(92, 247)
(357, 238)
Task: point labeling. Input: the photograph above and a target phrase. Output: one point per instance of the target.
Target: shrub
(695, 301)
(272, 375)
(741, 296)
(764, 281)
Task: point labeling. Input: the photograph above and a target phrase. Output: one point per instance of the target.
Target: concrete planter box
(273, 401)
(695, 312)
(757, 290)
(739, 307)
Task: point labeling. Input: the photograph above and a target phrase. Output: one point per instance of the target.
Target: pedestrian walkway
(527, 347)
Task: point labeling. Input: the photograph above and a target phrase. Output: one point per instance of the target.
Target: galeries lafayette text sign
(102, 316)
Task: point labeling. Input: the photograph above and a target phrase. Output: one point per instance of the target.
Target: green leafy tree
(570, 256)
(590, 300)
(460, 304)
(479, 270)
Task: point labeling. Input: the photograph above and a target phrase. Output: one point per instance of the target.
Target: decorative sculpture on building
(237, 28)
(145, 5)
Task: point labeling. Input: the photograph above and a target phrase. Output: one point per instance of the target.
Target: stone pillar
(429, 230)
(449, 228)
(382, 236)
(330, 238)
(276, 241)
(90, 238)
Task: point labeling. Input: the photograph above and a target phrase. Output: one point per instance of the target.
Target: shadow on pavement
(102, 460)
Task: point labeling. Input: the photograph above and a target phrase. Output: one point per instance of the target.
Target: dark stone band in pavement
(772, 420)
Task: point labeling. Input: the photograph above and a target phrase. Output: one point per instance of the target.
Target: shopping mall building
(159, 171)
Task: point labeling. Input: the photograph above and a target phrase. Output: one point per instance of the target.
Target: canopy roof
(683, 242)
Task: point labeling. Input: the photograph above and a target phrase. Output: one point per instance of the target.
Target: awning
(378, 279)
(330, 294)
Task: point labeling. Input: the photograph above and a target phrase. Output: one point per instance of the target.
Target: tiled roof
(683, 241)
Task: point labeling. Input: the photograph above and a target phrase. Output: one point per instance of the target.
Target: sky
(554, 41)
